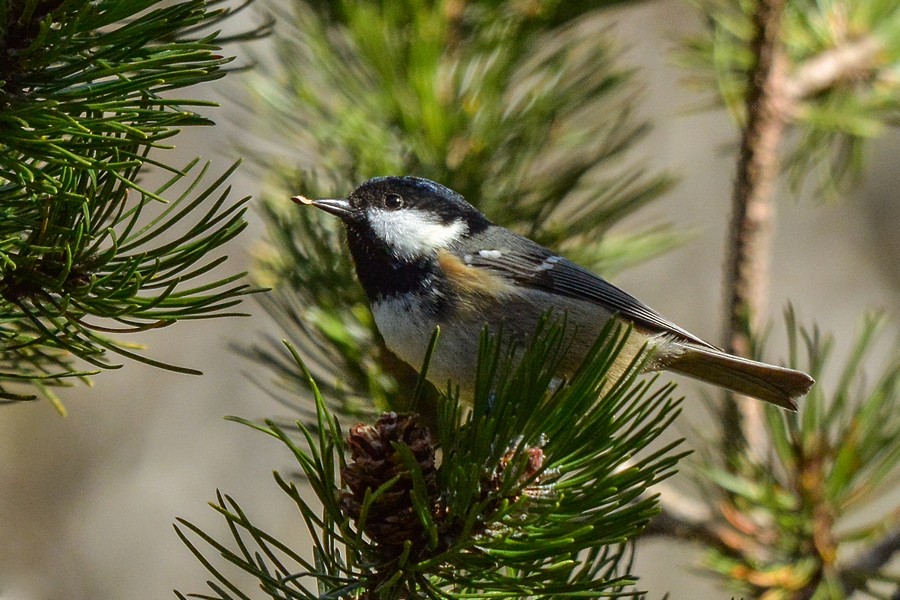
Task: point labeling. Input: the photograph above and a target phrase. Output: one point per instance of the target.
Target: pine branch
(536, 492)
(88, 91)
(840, 87)
(775, 527)
(747, 266)
(853, 60)
(778, 523)
(831, 82)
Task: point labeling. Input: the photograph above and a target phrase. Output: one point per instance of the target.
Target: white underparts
(406, 326)
(410, 233)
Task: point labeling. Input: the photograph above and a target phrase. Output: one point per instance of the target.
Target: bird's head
(410, 218)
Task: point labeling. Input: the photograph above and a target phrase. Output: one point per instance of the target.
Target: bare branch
(842, 63)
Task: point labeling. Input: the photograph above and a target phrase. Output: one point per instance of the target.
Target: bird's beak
(339, 208)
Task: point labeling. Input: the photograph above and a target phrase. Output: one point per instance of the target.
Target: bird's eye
(393, 201)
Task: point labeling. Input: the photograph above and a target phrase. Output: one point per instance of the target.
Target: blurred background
(87, 502)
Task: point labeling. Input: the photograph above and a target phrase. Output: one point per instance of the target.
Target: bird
(425, 257)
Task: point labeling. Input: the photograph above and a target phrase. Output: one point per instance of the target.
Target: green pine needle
(505, 529)
(88, 100)
(832, 125)
(830, 463)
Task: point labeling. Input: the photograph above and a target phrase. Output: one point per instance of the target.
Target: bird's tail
(778, 385)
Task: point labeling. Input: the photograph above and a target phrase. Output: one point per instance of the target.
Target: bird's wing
(531, 265)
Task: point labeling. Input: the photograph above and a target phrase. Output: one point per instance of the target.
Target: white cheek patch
(411, 233)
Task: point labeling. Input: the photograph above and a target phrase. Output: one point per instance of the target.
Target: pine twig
(522, 503)
(90, 95)
(753, 214)
(828, 68)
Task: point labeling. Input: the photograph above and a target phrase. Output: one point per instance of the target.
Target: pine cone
(392, 519)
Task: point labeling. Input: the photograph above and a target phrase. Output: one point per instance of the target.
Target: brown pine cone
(392, 519)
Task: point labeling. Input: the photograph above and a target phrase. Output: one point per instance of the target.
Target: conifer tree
(537, 489)
(523, 109)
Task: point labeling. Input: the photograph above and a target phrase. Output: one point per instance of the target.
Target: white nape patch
(467, 259)
(494, 254)
(548, 263)
(412, 233)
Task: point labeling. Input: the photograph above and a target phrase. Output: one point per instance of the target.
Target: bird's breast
(406, 323)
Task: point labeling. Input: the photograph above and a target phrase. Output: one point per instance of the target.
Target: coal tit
(426, 257)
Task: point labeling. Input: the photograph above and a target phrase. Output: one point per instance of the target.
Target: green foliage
(834, 108)
(787, 514)
(521, 108)
(87, 102)
(539, 489)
